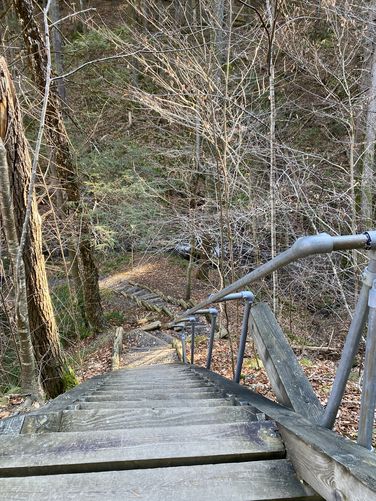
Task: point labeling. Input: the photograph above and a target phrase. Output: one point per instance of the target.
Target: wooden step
(259, 480)
(149, 396)
(157, 371)
(147, 296)
(110, 419)
(115, 419)
(154, 404)
(72, 452)
(129, 289)
(150, 392)
(160, 378)
(153, 385)
(140, 293)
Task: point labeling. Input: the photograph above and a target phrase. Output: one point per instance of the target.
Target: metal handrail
(213, 312)
(248, 297)
(303, 247)
(366, 305)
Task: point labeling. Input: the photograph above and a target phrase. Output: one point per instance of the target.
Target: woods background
(215, 130)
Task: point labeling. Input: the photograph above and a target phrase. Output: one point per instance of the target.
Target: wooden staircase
(163, 432)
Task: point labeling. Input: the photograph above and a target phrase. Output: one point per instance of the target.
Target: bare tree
(45, 337)
(29, 379)
(66, 168)
(368, 181)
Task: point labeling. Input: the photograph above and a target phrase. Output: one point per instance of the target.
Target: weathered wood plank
(156, 404)
(146, 379)
(11, 425)
(160, 390)
(149, 388)
(260, 480)
(152, 326)
(42, 423)
(337, 468)
(150, 396)
(112, 419)
(169, 385)
(137, 448)
(117, 349)
(287, 378)
(62, 401)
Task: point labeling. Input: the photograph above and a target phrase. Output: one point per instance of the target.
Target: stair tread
(145, 447)
(158, 390)
(152, 384)
(259, 480)
(155, 404)
(150, 396)
(113, 419)
(110, 419)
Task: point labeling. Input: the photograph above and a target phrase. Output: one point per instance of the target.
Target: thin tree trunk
(43, 328)
(188, 287)
(368, 174)
(271, 11)
(57, 44)
(219, 38)
(29, 380)
(65, 164)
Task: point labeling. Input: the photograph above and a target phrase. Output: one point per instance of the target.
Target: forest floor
(92, 356)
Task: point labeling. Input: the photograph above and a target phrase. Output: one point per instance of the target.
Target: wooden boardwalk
(176, 432)
(164, 432)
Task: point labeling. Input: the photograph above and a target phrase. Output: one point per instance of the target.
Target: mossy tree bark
(42, 324)
(65, 164)
(29, 380)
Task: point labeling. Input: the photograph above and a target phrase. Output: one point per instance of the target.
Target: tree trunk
(219, 37)
(272, 12)
(65, 164)
(42, 323)
(57, 44)
(29, 380)
(368, 174)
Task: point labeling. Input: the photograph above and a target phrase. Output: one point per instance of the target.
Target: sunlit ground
(135, 273)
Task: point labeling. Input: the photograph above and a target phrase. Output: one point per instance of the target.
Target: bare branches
(38, 144)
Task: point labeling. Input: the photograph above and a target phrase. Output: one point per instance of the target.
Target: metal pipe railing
(248, 297)
(368, 403)
(181, 325)
(366, 306)
(351, 345)
(303, 247)
(213, 325)
(193, 333)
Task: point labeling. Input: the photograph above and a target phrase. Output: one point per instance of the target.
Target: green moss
(115, 317)
(69, 320)
(253, 363)
(69, 379)
(306, 362)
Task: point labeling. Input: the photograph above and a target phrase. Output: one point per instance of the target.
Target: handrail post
(213, 324)
(351, 344)
(181, 325)
(192, 321)
(243, 337)
(368, 402)
(183, 347)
